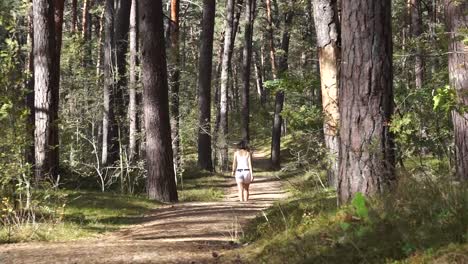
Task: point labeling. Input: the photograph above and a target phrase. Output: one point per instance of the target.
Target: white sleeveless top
(242, 161)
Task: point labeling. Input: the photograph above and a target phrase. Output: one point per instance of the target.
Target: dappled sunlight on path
(195, 232)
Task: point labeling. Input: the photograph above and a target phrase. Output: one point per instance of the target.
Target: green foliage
(445, 99)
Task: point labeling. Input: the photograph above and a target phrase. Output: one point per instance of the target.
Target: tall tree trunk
(29, 84)
(259, 79)
(246, 62)
(44, 62)
(132, 92)
(204, 85)
(85, 19)
(366, 99)
(109, 129)
(416, 31)
(74, 25)
(54, 128)
(279, 98)
(121, 30)
(327, 28)
(271, 39)
(457, 22)
(223, 123)
(174, 81)
(160, 180)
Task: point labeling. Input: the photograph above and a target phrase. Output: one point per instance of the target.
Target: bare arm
(234, 165)
(250, 167)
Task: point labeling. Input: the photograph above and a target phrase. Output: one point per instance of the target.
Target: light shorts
(243, 176)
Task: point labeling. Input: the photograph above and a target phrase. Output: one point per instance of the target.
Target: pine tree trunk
(174, 81)
(279, 98)
(366, 99)
(44, 63)
(132, 92)
(121, 30)
(29, 84)
(416, 31)
(223, 123)
(246, 62)
(271, 39)
(327, 28)
(457, 23)
(204, 85)
(74, 26)
(259, 79)
(109, 129)
(160, 180)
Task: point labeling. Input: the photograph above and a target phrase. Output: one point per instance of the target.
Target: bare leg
(240, 187)
(246, 193)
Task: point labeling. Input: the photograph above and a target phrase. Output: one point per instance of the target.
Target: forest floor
(192, 232)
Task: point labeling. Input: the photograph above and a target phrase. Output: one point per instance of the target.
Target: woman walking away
(242, 170)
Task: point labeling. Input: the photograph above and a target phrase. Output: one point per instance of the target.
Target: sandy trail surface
(194, 232)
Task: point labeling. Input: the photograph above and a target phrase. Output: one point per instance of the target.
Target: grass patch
(423, 221)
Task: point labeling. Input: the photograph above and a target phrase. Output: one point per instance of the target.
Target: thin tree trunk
(416, 31)
(246, 62)
(223, 123)
(29, 84)
(109, 129)
(44, 60)
(85, 19)
(175, 81)
(279, 98)
(204, 85)
(366, 99)
(259, 80)
(160, 181)
(271, 39)
(132, 104)
(327, 28)
(456, 22)
(74, 10)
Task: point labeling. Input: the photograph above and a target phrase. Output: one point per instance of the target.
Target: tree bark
(223, 123)
(246, 62)
(366, 99)
(204, 85)
(132, 92)
(328, 37)
(121, 30)
(456, 22)
(279, 98)
(416, 31)
(271, 39)
(160, 180)
(54, 128)
(175, 81)
(29, 84)
(85, 19)
(259, 79)
(44, 61)
(109, 129)
(74, 26)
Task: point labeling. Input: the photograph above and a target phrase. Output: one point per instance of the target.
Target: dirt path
(194, 232)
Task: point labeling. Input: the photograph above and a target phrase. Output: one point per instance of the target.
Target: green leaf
(359, 204)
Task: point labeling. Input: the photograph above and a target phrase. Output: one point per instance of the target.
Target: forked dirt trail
(195, 232)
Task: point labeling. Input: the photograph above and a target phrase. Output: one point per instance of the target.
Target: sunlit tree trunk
(223, 124)
(132, 92)
(457, 22)
(44, 63)
(366, 99)
(160, 180)
(271, 39)
(174, 81)
(204, 85)
(327, 30)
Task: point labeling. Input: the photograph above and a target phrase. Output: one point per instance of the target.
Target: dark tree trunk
(121, 30)
(416, 31)
(44, 63)
(160, 180)
(109, 128)
(279, 98)
(457, 22)
(85, 19)
(174, 82)
(366, 99)
(223, 123)
(246, 62)
(54, 128)
(132, 92)
(204, 85)
(29, 84)
(74, 26)
(327, 30)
